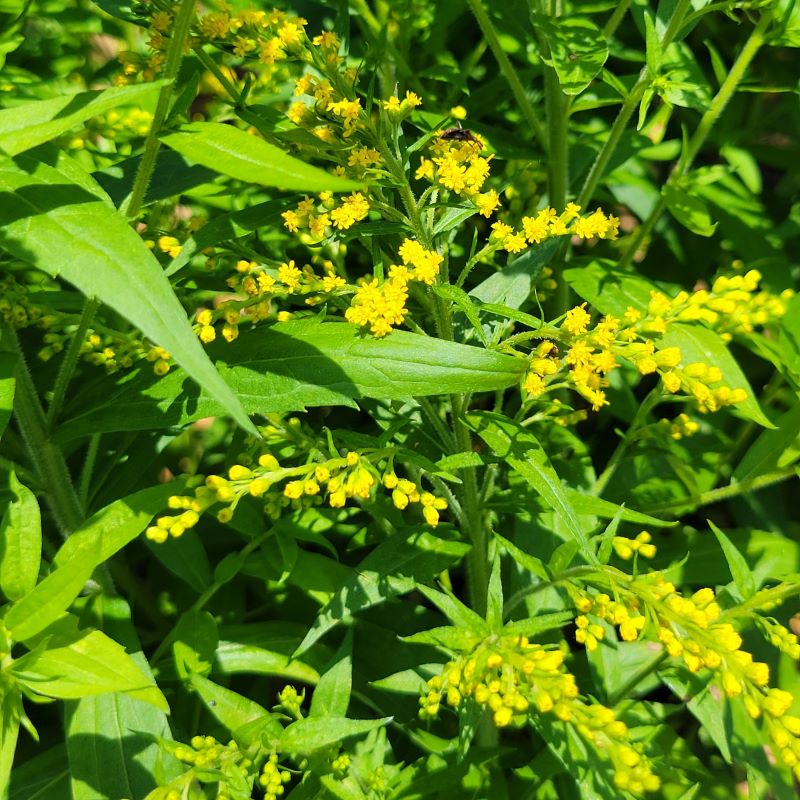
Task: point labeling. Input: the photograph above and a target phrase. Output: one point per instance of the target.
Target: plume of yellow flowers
(517, 679)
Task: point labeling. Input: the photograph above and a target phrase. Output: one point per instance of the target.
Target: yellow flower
(577, 320)
(486, 203)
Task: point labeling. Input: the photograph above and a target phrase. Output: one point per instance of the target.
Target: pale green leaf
(307, 735)
(249, 158)
(20, 542)
(25, 126)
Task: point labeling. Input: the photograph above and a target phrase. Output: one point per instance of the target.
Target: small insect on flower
(460, 135)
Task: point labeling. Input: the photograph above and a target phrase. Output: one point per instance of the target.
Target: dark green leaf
(394, 567)
(8, 366)
(291, 366)
(195, 643)
(332, 694)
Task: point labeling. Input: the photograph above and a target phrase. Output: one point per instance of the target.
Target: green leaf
(82, 664)
(589, 505)
(461, 299)
(769, 450)
(8, 381)
(607, 538)
(228, 227)
(231, 709)
(609, 290)
(47, 220)
(512, 286)
(97, 540)
(737, 563)
(249, 158)
(578, 50)
(494, 595)
(42, 777)
(538, 624)
(525, 560)
(689, 210)
(10, 713)
(394, 567)
(195, 643)
(307, 735)
(20, 542)
(701, 344)
(112, 738)
(463, 617)
(26, 126)
(292, 366)
(332, 694)
(522, 452)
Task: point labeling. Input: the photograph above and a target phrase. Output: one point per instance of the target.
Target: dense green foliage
(399, 399)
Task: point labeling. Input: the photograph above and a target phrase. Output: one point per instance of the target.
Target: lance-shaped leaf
(93, 543)
(520, 449)
(292, 366)
(74, 663)
(60, 222)
(26, 126)
(307, 735)
(20, 542)
(249, 158)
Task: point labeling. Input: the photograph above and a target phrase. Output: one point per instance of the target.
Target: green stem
(616, 18)
(508, 71)
(648, 404)
(627, 109)
(46, 457)
(70, 361)
(726, 492)
(212, 67)
(446, 437)
(180, 30)
(707, 122)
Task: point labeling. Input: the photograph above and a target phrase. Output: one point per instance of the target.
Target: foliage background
(577, 102)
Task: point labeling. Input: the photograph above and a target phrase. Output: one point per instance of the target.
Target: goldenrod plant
(399, 400)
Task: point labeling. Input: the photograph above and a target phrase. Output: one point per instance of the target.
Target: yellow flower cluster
(335, 480)
(515, 678)
(594, 352)
(548, 223)
(224, 765)
(781, 637)
(679, 428)
(626, 548)
(381, 305)
(457, 165)
(732, 305)
(259, 286)
(273, 779)
(394, 105)
(694, 630)
(318, 218)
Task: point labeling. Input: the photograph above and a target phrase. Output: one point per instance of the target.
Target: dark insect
(459, 135)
